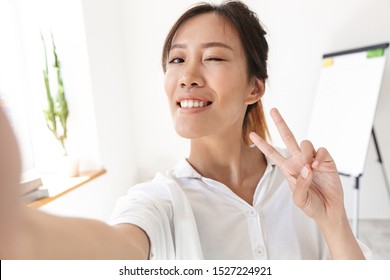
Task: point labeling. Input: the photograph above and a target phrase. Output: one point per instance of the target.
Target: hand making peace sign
(311, 174)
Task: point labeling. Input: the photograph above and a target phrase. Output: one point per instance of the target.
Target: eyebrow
(204, 45)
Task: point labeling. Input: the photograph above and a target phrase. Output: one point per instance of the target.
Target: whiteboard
(345, 104)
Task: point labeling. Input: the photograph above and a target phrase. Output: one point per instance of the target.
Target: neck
(230, 161)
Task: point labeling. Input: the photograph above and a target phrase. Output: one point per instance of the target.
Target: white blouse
(187, 216)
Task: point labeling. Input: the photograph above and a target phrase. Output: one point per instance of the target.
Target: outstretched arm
(315, 183)
(30, 234)
(43, 236)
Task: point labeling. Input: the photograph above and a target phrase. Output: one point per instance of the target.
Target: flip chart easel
(344, 109)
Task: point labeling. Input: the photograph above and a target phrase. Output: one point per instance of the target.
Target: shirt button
(259, 251)
(252, 213)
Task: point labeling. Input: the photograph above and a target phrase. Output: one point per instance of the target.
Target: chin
(189, 133)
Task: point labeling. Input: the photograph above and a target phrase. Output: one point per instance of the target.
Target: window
(22, 88)
(11, 81)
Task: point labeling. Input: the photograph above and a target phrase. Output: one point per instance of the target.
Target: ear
(257, 91)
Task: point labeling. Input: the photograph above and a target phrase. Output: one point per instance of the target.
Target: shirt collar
(184, 169)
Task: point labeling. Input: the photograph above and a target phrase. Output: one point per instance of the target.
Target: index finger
(267, 149)
(284, 131)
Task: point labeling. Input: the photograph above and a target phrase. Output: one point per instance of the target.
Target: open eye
(176, 60)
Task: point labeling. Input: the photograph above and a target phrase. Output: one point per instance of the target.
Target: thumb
(301, 190)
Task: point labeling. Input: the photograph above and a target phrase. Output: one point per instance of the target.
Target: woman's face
(206, 80)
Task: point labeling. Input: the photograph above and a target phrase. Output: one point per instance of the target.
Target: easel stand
(381, 162)
(355, 219)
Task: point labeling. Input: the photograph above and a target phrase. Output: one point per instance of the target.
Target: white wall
(299, 33)
(135, 135)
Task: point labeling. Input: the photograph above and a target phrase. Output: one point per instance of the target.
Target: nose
(192, 75)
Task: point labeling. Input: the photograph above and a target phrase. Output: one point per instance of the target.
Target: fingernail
(315, 164)
(305, 172)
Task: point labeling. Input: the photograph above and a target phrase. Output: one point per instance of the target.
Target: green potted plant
(56, 112)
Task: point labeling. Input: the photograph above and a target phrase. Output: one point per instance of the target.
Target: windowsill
(58, 185)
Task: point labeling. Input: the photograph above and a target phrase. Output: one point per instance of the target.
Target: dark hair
(252, 36)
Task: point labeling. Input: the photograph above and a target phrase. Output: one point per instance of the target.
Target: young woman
(229, 199)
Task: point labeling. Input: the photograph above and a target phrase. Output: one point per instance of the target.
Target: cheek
(232, 85)
(228, 76)
(170, 81)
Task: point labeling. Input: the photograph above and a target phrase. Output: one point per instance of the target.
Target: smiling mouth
(193, 103)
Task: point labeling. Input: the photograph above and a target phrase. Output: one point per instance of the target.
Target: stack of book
(31, 188)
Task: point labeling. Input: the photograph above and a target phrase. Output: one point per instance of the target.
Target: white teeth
(189, 103)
